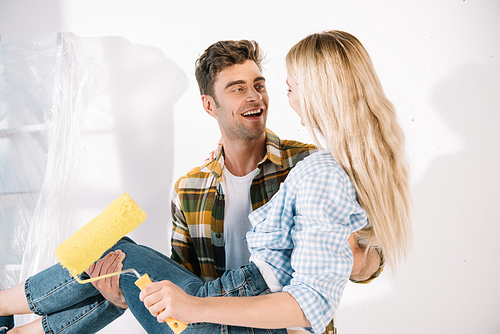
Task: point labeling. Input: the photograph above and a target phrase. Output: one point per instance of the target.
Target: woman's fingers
(164, 299)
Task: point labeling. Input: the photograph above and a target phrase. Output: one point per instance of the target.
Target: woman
(301, 240)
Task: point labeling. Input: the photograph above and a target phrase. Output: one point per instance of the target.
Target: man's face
(242, 99)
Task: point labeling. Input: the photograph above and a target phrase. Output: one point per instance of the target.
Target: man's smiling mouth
(255, 112)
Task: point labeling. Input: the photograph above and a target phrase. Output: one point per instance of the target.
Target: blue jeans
(69, 307)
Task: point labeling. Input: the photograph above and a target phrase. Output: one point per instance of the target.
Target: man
(211, 203)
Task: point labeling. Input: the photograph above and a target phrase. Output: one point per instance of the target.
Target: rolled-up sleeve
(326, 213)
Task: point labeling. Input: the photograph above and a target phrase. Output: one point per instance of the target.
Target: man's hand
(109, 287)
(364, 266)
(211, 155)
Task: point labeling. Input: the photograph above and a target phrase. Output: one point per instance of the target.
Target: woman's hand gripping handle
(176, 326)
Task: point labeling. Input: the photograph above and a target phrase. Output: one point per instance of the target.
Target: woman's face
(293, 96)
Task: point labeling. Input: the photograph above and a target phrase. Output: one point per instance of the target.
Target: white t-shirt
(236, 223)
(238, 206)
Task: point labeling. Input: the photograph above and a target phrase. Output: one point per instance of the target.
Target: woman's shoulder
(318, 162)
(319, 170)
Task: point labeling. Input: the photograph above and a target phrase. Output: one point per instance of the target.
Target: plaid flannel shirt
(198, 204)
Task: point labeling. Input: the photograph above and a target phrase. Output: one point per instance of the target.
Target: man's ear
(208, 104)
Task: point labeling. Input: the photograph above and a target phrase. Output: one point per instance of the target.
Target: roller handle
(176, 326)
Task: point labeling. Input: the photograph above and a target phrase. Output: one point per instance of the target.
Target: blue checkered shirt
(302, 233)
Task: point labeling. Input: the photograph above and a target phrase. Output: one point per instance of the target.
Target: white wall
(439, 62)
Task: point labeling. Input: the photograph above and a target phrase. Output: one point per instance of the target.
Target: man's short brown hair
(220, 56)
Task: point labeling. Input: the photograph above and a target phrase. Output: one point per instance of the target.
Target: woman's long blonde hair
(341, 97)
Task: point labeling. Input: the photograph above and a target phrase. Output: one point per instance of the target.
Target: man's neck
(240, 158)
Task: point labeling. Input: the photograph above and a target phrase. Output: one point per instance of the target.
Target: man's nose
(253, 95)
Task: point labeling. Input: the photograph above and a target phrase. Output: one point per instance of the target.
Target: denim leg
(158, 267)
(243, 282)
(246, 282)
(67, 306)
(54, 289)
(88, 317)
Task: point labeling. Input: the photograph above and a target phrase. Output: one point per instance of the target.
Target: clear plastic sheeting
(45, 86)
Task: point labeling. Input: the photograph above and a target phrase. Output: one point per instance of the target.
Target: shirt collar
(273, 153)
(273, 149)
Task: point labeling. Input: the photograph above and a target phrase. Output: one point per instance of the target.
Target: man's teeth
(253, 112)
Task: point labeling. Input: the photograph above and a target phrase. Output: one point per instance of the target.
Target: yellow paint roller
(87, 245)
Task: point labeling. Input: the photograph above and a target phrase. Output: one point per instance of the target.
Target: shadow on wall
(21, 19)
(446, 287)
(127, 138)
